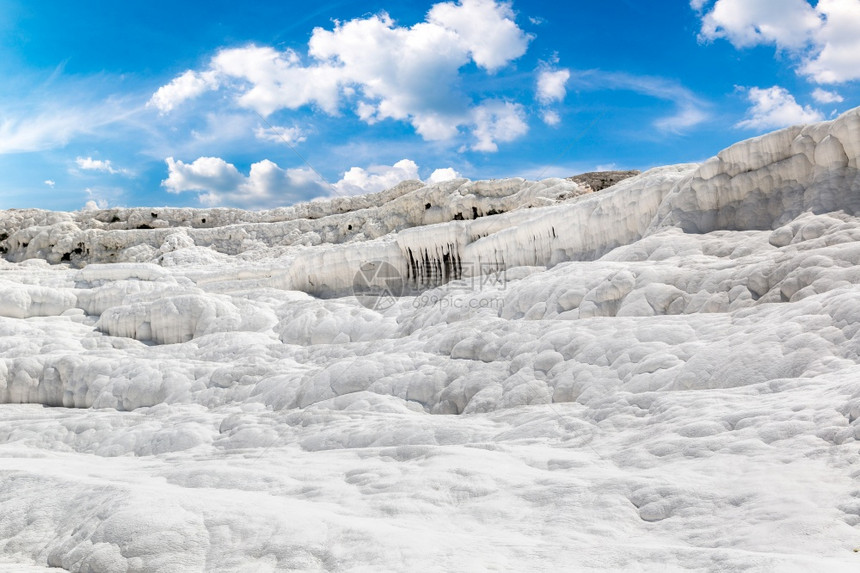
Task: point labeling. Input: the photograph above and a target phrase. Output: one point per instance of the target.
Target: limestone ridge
(447, 231)
(145, 234)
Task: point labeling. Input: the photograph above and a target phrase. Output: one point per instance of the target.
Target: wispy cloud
(824, 96)
(691, 110)
(51, 121)
(279, 134)
(43, 129)
(103, 165)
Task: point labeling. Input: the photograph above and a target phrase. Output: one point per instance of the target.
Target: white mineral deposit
(661, 375)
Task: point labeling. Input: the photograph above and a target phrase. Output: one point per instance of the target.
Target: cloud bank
(378, 70)
(219, 183)
(823, 39)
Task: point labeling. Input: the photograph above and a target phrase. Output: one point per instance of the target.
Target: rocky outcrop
(599, 180)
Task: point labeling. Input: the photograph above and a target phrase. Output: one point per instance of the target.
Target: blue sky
(189, 104)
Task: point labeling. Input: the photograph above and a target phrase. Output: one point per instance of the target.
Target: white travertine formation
(662, 375)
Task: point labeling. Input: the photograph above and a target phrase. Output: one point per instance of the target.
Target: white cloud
(33, 120)
(371, 65)
(444, 174)
(485, 28)
(44, 130)
(50, 183)
(775, 107)
(823, 38)
(690, 111)
(497, 121)
(205, 173)
(837, 53)
(551, 85)
(744, 23)
(358, 181)
(90, 164)
(96, 200)
(551, 117)
(551, 89)
(220, 183)
(824, 96)
(280, 134)
(401, 74)
(187, 86)
(698, 4)
(272, 80)
(688, 116)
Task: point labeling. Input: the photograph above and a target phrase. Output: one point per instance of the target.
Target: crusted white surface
(664, 376)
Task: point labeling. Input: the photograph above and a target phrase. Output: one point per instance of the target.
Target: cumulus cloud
(95, 200)
(789, 24)
(104, 165)
(824, 96)
(184, 87)
(357, 181)
(444, 174)
(371, 65)
(775, 107)
(551, 117)
(485, 28)
(498, 121)
(220, 183)
(266, 80)
(551, 88)
(837, 43)
(823, 38)
(551, 85)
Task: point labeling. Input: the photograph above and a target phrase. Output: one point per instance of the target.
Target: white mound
(659, 376)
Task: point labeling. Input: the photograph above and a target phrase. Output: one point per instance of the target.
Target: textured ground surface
(664, 375)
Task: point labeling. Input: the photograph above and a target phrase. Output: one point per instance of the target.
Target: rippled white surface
(664, 377)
